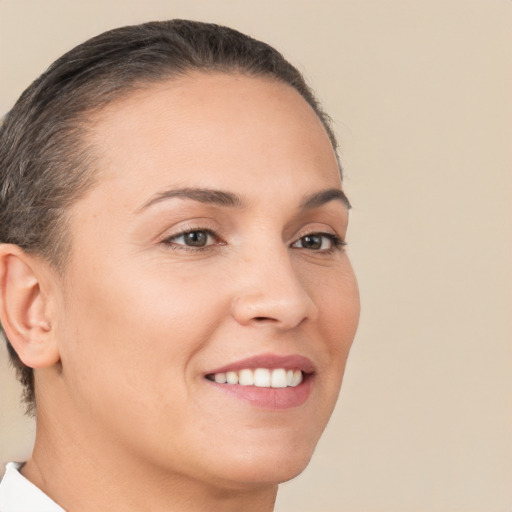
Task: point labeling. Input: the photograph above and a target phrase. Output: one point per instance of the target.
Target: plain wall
(421, 95)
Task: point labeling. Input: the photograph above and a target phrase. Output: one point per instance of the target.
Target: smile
(268, 381)
(260, 377)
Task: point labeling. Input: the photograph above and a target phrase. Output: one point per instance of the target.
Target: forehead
(220, 129)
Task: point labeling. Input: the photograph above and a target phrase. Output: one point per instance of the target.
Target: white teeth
(297, 378)
(220, 378)
(278, 379)
(232, 377)
(246, 378)
(261, 377)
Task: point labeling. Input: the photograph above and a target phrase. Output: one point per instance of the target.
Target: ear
(24, 307)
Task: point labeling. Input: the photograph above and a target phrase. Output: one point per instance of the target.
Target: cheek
(135, 336)
(129, 355)
(336, 295)
(339, 308)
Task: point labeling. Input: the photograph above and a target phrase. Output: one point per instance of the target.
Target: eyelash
(337, 244)
(171, 244)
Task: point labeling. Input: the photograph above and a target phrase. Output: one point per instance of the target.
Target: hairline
(90, 119)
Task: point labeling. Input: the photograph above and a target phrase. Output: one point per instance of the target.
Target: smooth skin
(122, 340)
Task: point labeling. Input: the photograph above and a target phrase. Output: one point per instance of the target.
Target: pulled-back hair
(45, 164)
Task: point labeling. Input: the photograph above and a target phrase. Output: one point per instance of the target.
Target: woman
(175, 291)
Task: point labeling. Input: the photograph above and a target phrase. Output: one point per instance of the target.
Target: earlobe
(24, 310)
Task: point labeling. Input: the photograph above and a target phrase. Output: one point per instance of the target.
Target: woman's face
(210, 247)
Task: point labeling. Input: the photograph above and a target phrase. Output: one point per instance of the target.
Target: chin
(251, 468)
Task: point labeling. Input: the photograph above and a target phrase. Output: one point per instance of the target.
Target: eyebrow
(320, 198)
(231, 200)
(203, 195)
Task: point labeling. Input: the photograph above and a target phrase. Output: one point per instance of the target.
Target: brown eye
(321, 242)
(195, 238)
(311, 242)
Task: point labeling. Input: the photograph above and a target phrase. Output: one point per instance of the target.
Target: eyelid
(201, 224)
(335, 240)
(318, 228)
(176, 236)
(187, 225)
(323, 229)
(171, 243)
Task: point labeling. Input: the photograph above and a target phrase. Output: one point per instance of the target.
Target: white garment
(17, 494)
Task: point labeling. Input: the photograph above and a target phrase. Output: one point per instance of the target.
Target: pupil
(196, 238)
(312, 242)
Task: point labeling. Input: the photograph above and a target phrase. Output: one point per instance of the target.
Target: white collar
(17, 494)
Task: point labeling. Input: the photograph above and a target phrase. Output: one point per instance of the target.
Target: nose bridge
(270, 290)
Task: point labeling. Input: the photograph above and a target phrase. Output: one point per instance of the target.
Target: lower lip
(269, 398)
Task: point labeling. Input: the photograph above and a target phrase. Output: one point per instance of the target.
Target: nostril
(263, 319)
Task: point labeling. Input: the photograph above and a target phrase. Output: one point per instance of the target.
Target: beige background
(420, 91)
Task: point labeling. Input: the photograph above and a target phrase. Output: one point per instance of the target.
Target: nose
(271, 293)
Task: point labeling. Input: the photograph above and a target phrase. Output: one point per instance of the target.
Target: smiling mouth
(260, 377)
(267, 381)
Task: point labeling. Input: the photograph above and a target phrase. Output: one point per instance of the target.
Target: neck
(82, 472)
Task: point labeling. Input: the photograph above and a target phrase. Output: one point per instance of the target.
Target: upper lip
(270, 361)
